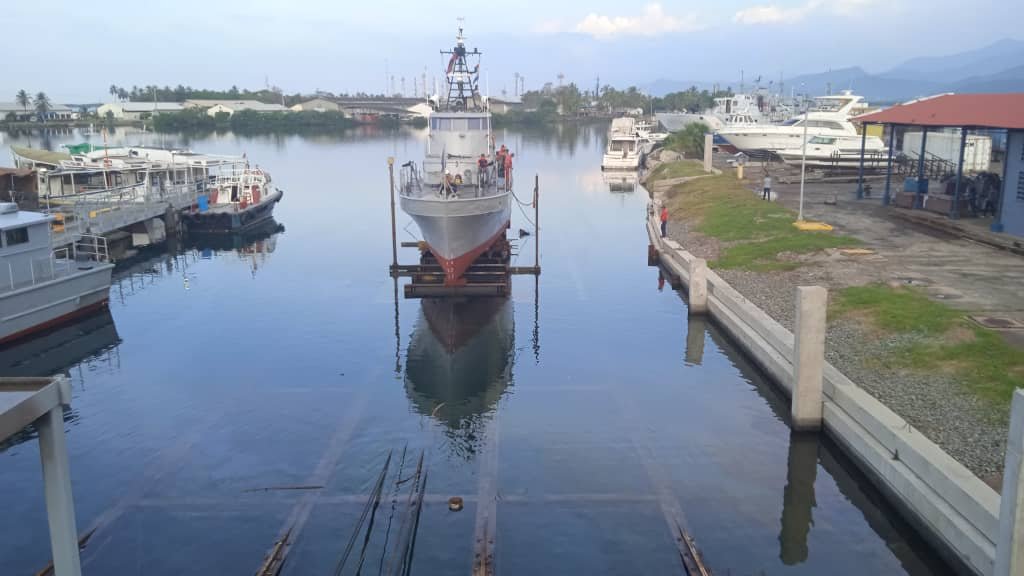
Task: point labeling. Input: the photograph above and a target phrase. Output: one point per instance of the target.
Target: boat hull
(618, 162)
(233, 221)
(795, 158)
(41, 306)
(459, 230)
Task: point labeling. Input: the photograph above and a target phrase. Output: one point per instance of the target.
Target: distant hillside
(951, 69)
(998, 67)
(1011, 80)
(874, 88)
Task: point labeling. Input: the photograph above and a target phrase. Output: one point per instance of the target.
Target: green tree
(23, 99)
(11, 117)
(42, 103)
(112, 91)
(689, 140)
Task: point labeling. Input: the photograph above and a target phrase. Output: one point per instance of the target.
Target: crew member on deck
(481, 167)
(508, 170)
(499, 159)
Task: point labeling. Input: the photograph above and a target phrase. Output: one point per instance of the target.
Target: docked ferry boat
(41, 288)
(459, 197)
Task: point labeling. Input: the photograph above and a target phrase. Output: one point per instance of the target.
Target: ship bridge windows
(821, 140)
(460, 124)
(15, 236)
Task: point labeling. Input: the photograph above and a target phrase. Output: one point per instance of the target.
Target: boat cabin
(455, 142)
(26, 248)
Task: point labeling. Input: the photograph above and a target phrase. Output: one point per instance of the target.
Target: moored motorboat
(625, 149)
(459, 198)
(233, 201)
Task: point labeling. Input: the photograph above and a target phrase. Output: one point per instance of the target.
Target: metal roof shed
(965, 112)
(40, 401)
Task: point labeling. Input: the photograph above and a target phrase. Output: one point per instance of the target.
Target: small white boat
(836, 152)
(625, 149)
(41, 288)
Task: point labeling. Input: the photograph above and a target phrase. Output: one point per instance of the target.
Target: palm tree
(23, 99)
(113, 91)
(42, 102)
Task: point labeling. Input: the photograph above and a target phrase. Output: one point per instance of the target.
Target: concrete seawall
(950, 506)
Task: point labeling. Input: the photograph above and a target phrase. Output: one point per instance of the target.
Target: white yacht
(830, 117)
(625, 149)
(41, 288)
(836, 152)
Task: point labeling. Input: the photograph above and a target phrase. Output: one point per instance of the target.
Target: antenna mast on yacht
(463, 92)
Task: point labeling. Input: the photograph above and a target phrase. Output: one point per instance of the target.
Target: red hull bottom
(55, 322)
(456, 267)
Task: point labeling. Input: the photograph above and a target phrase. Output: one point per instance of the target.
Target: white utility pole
(803, 166)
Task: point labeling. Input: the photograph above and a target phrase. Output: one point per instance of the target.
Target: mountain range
(998, 67)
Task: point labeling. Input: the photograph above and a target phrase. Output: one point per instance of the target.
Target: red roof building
(966, 112)
(999, 111)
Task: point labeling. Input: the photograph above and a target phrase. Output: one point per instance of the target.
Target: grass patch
(896, 310)
(757, 231)
(978, 357)
(680, 169)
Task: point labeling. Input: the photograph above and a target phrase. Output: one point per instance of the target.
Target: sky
(74, 50)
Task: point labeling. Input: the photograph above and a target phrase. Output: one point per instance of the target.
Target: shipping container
(946, 145)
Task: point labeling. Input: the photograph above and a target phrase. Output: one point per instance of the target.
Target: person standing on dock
(766, 192)
(664, 221)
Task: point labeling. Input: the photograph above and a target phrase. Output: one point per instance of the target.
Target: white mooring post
(808, 357)
(709, 142)
(698, 303)
(60, 506)
(1010, 545)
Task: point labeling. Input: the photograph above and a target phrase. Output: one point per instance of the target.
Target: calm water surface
(579, 419)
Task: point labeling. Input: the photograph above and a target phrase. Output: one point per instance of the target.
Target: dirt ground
(969, 276)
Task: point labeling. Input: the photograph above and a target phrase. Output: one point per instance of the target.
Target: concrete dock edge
(953, 509)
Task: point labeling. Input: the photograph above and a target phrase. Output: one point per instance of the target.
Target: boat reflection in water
(255, 243)
(58, 350)
(259, 239)
(621, 182)
(459, 365)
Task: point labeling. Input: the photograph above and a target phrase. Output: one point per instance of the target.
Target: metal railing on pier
(103, 211)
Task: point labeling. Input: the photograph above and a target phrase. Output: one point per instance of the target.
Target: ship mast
(463, 92)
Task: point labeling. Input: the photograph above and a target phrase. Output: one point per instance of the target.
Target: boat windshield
(792, 122)
(821, 140)
(831, 104)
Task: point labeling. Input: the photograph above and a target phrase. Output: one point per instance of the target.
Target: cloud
(652, 21)
(773, 14)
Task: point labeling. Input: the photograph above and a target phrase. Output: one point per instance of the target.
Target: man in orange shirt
(508, 170)
(664, 221)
